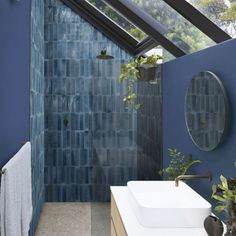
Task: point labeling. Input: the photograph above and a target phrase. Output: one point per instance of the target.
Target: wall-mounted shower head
(103, 55)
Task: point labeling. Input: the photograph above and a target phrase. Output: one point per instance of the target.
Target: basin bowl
(161, 204)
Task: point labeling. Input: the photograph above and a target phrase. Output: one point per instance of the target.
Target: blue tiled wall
(149, 131)
(89, 133)
(37, 108)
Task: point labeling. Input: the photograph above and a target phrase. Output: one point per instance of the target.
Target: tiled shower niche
(90, 136)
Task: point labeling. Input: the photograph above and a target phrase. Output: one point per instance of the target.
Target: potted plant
(147, 67)
(180, 164)
(225, 194)
(139, 69)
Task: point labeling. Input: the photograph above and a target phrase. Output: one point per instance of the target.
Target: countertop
(132, 226)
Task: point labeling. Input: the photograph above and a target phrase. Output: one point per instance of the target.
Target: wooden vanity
(117, 226)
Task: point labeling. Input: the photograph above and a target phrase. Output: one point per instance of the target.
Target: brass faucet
(206, 176)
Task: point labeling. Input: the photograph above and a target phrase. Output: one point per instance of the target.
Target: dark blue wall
(14, 77)
(177, 74)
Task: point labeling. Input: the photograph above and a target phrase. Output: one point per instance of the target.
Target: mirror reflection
(206, 110)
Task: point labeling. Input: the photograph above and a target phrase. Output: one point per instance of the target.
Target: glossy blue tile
(90, 151)
(37, 108)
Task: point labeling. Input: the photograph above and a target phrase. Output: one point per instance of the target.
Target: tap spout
(207, 176)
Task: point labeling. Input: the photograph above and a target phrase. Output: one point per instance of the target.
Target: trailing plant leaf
(152, 60)
(219, 209)
(138, 106)
(219, 198)
(224, 181)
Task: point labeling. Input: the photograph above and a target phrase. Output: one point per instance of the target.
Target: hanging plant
(141, 68)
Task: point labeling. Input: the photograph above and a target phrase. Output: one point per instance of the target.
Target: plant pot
(231, 222)
(231, 228)
(213, 226)
(231, 182)
(148, 72)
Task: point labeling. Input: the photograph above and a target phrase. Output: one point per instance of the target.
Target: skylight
(175, 25)
(221, 12)
(180, 31)
(118, 19)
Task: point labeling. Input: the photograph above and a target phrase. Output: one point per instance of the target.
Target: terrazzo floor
(74, 219)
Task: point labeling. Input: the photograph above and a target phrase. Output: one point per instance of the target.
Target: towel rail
(3, 171)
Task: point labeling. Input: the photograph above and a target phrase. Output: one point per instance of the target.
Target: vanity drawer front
(116, 219)
(113, 232)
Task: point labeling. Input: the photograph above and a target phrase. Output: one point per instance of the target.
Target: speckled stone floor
(74, 219)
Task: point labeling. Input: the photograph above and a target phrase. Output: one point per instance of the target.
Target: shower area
(91, 140)
(90, 136)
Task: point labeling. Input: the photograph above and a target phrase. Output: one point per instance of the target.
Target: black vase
(147, 72)
(213, 226)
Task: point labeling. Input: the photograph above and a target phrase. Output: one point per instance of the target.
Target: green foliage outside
(229, 16)
(180, 164)
(221, 12)
(180, 31)
(119, 19)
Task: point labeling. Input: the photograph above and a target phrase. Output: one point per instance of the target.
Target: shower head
(103, 55)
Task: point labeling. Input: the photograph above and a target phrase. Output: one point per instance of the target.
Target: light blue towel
(16, 194)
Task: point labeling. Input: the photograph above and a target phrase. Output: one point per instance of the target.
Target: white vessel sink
(161, 204)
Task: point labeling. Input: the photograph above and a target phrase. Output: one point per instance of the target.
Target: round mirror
(206, 110)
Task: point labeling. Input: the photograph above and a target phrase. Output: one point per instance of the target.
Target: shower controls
(65, 122)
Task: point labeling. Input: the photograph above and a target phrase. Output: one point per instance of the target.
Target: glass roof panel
(221, 12)
(118, 19)
(180, 31)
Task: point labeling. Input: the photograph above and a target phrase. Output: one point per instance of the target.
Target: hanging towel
(16, 194)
